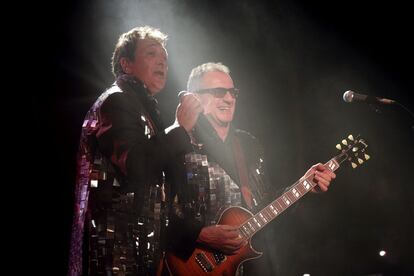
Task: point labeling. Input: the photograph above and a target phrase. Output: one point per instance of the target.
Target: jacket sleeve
(182, 234)
(123, 139)
(183, 229)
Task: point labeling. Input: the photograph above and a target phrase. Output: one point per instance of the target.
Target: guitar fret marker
(295, 192)
(306, 184)
(332, 165)
(287, 201)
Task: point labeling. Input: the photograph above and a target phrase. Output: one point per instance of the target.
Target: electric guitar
(205, 261)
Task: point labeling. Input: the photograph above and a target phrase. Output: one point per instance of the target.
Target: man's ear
(125, 64)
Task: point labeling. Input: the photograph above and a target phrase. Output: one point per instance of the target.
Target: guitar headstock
(353, 150)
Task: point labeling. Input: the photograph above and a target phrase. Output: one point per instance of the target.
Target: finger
(323, 188)
(233, 247)
(228, 227)
(232, 235)
(193, 105)
(183, 94)
(228, 251)
(189, 108)
(327, 175)
(241, 242)
(189, 97)
(186, 101)
(312, 169)
(320, 188)
(331, 174)
(196, 109)
(322, 183)
(325, 179)
(320, 167)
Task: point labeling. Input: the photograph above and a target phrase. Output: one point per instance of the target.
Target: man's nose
(162, 61)
(228, 97)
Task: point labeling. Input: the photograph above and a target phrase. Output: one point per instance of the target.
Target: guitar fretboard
(290, 196)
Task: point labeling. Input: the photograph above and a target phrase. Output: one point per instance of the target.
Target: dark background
(292, 61)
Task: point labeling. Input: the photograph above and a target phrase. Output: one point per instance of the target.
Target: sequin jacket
(118, 194)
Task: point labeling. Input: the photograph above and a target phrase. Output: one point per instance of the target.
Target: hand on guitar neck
(225, 238)
(322, 176)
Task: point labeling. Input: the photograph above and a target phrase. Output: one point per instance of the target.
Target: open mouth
(159, 73)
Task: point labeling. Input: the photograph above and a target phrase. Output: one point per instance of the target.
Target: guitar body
(205, 261)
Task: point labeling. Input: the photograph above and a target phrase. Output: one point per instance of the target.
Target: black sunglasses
(220, 92)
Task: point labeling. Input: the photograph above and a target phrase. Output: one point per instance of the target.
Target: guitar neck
(290, 196)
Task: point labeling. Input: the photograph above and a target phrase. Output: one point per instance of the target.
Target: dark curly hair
(128, 42)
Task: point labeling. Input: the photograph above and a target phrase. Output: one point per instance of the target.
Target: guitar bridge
(203, 262)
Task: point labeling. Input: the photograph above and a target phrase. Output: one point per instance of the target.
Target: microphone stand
(376, 108)
(409, 112)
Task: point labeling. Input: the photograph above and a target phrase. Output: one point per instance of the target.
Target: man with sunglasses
(223, 168)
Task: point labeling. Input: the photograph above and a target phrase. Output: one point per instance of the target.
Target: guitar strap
(243, 177)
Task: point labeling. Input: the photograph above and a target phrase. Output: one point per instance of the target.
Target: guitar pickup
(203, 262)
(219, 257)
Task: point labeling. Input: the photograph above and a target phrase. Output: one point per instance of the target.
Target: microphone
(351, 96)
(182, 93)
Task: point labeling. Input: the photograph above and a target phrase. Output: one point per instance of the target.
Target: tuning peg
(360, 161)
(350, 137)
(339, 147)
(366, 156)
(345, 142)
(354, 165)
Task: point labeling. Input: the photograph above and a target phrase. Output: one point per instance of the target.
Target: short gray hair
(198, 72)
(128, 43)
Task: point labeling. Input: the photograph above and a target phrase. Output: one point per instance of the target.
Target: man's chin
(224, 123)
(154, 89)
